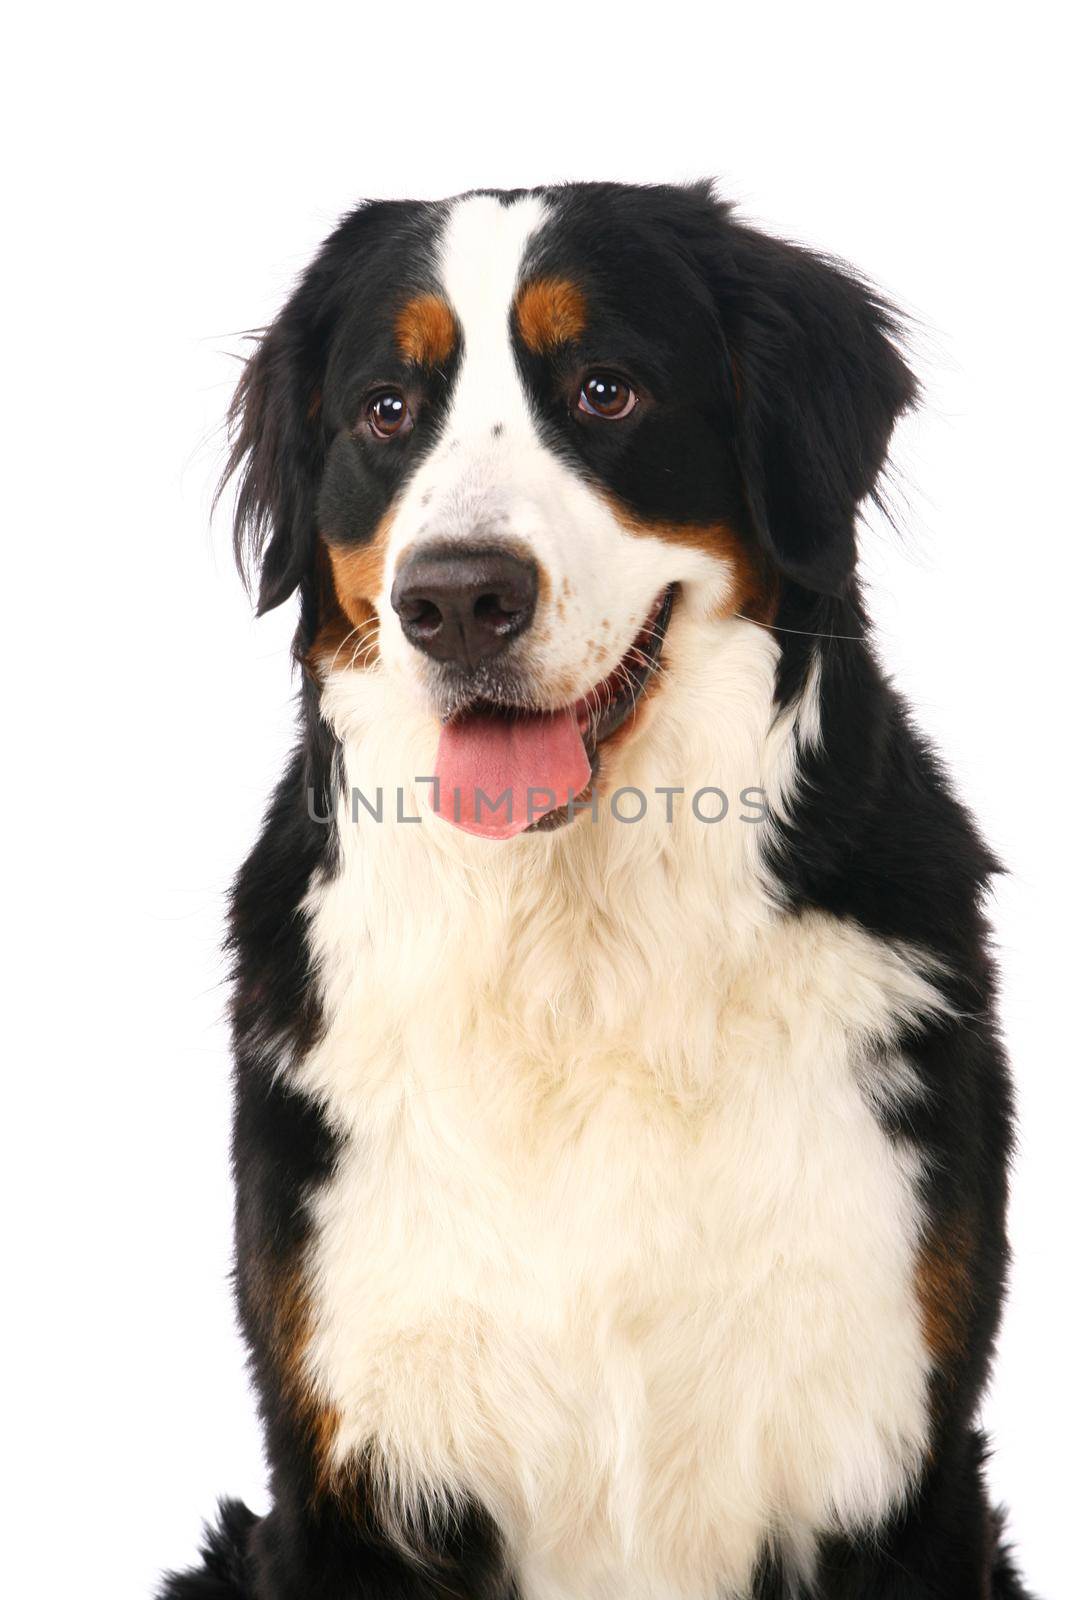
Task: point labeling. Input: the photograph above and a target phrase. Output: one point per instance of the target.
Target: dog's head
(495, 440)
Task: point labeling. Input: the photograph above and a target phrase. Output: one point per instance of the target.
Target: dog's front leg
(329, 1551)
(944, 1545)
(326, 1549)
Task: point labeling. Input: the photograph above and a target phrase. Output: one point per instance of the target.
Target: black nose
(463, 605)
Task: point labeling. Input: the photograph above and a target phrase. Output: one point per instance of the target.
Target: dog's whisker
(803, 633)
(340, 647)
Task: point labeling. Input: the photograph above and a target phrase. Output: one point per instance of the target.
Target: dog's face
(497, 440)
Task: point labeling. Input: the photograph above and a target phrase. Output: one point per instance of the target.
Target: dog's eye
(603, 395)
(388, 414)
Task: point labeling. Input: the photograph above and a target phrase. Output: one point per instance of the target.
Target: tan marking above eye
(426, 330)
(550, 312)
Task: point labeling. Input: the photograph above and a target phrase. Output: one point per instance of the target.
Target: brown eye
(605, 396)
(388, 414)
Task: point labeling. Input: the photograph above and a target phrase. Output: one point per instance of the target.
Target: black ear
(276, 454)
(277, 435)
(820, 383)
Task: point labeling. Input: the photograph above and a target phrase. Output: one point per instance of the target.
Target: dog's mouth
(614, 701)
(502, 770)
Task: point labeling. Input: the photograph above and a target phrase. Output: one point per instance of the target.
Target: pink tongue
(530, 765)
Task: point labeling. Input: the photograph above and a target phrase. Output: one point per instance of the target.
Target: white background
(169, 173)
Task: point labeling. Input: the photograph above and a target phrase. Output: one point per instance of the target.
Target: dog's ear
(276, 456)
(819, 384)
(277, 434)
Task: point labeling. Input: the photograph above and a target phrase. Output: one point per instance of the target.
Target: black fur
(224, 1574)
(776, 378)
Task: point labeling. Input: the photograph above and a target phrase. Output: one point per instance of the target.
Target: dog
(622, 1125)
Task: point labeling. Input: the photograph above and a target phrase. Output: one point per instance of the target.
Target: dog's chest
(648, 1321)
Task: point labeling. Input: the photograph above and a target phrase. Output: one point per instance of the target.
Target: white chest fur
(616, 1245)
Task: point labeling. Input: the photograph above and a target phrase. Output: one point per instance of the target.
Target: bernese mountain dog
(622, 1127)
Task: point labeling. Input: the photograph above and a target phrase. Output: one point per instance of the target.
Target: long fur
(620, 1209)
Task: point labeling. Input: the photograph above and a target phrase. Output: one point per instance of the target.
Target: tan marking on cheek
(350, 581)
(426, 330)
(753, 590)
(342, 646)
(550, 312)
(944, 1289)
(357, 573)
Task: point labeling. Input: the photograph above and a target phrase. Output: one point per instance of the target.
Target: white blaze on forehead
(493, 476)
(482, 253)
